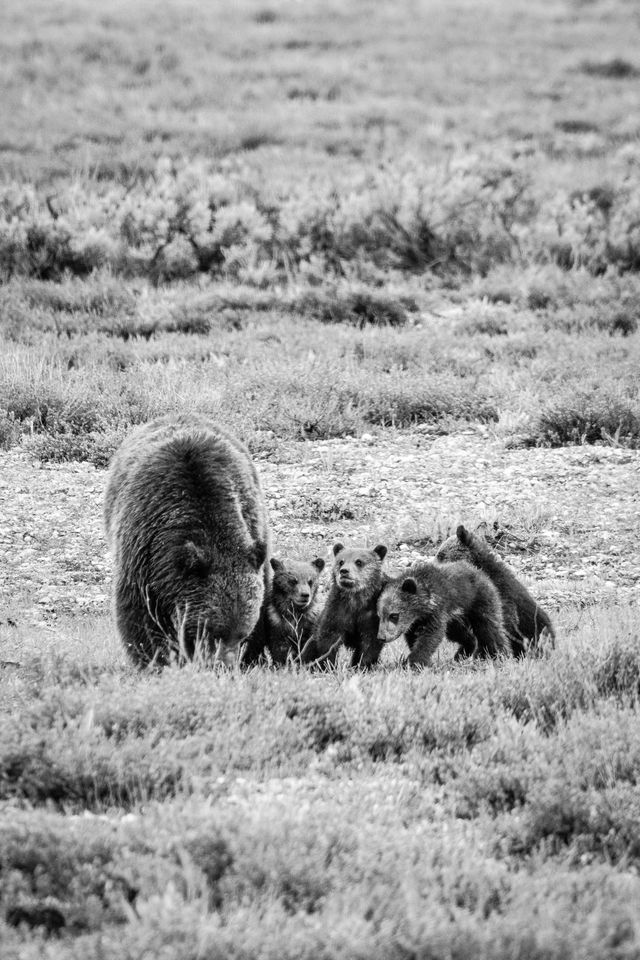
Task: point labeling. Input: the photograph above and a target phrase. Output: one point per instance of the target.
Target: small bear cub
(288, 615)
(432, 601)
(524, 618)
(349, 616)
(291, 609)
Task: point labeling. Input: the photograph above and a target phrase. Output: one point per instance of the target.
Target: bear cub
(524, 618)
(349, 616)
(431, 601)
(289, 612)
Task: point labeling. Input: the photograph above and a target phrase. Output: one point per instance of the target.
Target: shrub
(400, 401)
(589, 418)
(358, 307)
(614, 69)
(102, 296)
(92, 447)
(603, 823)
(188, 218)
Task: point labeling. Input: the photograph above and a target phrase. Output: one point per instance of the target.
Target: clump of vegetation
(188, 219)
(615, 69)
(589, 417)
(359, 307)
(92, 447)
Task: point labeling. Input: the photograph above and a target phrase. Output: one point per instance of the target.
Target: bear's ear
(337, 547)
(275, 564)
(463, 536)
(257, 554)
(193, 559)
(381, 550)
(318, 563)
(409, 585)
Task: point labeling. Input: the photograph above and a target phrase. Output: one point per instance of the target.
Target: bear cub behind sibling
(431, 601)
(349, 616)
(289, 612)
(524, 618)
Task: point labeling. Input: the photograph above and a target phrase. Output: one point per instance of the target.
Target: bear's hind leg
(485, 619)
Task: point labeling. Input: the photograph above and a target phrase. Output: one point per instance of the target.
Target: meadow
(356, 228)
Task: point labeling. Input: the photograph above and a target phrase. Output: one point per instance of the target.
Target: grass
(144, 808)
(86, 360)
(314, 221)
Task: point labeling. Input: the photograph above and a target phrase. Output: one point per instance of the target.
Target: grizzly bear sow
(289, 612)
(186, 523)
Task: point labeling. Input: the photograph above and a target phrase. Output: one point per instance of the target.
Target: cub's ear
(463, 536)
(193, 559)
(409, 585)
(337, 547)
(257, 554)
(275, 564)
(318, 563)
(381, 550)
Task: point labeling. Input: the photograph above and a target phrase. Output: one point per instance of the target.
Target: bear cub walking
(187, 526)
(349, 616)
(289, 612)
(432, 601)
(524, 618)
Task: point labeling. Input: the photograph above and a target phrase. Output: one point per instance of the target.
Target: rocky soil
(567, 519)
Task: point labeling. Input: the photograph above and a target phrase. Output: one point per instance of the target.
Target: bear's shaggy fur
(433, 600)
(349, 616)
(524, 618)
(289, 612)
(187, 526)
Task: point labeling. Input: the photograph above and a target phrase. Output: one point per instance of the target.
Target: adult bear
(186, 523)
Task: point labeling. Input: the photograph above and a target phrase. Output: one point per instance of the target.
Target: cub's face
(397, 608)
(295, 582)
(357, 568)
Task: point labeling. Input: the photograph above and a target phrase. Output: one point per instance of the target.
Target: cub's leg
(510, 619)
(485, 619)
(255, 643)
(366, 647)
(425, 641)
(458, 632)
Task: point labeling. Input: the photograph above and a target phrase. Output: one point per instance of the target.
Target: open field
(395, 247)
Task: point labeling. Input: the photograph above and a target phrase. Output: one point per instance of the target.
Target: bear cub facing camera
(289, 612)
(349, 616)
(432, 601)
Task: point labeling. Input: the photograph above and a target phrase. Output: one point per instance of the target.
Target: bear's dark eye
(310, 583)
(293, 582)
(394, 617)
(359, 563)
(340, 562)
